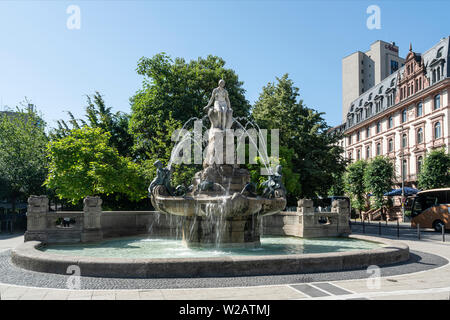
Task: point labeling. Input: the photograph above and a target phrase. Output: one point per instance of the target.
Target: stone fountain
(221, 207)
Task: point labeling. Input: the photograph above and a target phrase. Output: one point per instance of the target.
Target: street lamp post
(403, 174)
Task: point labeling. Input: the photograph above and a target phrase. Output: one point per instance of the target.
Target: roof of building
(439, 53)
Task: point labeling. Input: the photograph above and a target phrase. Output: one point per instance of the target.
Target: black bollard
(364, 228)
(379, 228)
(418, 231)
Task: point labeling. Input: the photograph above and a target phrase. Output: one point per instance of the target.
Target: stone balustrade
(309, 223)
(92, 224)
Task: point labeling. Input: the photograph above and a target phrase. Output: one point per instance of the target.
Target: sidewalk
(9, 241)
(423, 285)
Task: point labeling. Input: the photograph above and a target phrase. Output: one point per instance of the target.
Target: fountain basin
(29, 256)
(231, 220)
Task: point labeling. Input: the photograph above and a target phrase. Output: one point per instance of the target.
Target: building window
(350, 155)
(419, 109)
(390, 122)
(394, 66)
(358, 155)
(378, 149)
(368, 132)
(434, 76)
(391, 145)
(437, 130)
(378, 127)
(358, 136)
(404, 140)
(438, 74)
(349, 140)
(419, 164)
(404, 115)
(420, 135)
(367, 152)
(437, 101)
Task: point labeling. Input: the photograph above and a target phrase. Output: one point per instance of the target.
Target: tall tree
(22, 154)
(435, 171)
(378, 179)
(354, 184)
(176, 89)
(317, 156)
(98, 115)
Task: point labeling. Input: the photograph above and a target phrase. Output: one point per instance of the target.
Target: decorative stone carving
(222, 207)
(162, 178)
(37, 218)
(92, 212)
(220, 114)
(273, 187)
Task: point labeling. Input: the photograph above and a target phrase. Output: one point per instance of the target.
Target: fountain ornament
(221, 207)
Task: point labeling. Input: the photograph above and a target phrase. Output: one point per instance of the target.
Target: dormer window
(439, 52)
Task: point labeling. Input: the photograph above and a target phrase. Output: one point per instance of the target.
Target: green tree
(435, 171)
(316, 154)
(337, 188)
(84, 164)
(379, 178)
(22, 154)
(354, 184)
(290, 177)
(161, 149)
(98, 115)
(175, 89)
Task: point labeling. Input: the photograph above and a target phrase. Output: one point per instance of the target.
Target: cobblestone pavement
(426, 277)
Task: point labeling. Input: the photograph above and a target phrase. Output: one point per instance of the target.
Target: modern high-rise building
(363, 70)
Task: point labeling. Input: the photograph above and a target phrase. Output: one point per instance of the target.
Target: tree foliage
(435, 171)
(176, 89)
(316, 155)
(290, 177)
(98, 115)
(84, 164)
(22, 154)
(354, 183)
(378, 179)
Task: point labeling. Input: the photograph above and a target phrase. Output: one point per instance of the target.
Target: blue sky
(55, 67)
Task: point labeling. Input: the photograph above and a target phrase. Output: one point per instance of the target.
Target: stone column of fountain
(221, 209)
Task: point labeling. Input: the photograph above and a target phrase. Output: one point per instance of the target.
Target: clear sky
(55, 67)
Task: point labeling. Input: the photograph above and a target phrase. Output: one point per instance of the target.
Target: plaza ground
(424, 285)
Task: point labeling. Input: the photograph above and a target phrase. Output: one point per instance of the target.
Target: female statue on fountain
(221, 114)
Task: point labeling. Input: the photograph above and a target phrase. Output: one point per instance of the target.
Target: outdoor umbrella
(398, 192)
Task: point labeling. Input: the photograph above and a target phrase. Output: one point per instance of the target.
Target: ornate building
(404, 115)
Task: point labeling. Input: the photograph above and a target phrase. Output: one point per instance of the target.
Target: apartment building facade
(404, 115)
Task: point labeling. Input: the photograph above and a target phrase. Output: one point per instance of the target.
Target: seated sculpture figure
(221, 114)
(274, 187)
(162, 178)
